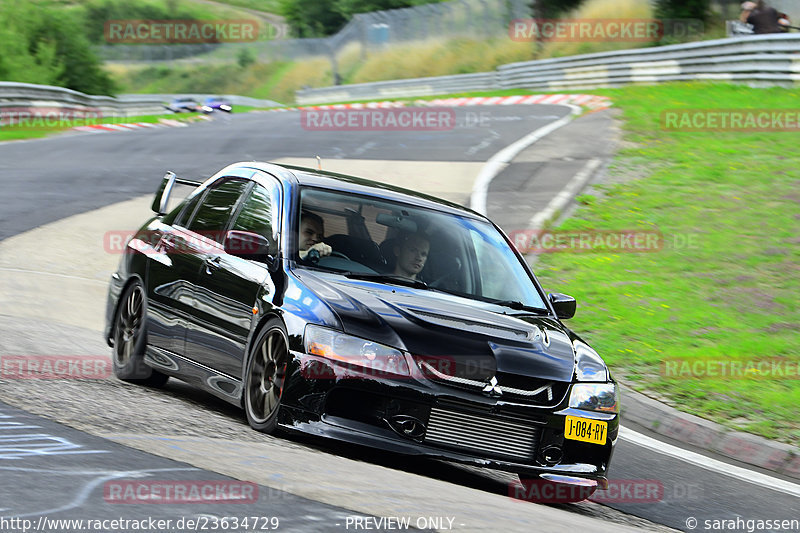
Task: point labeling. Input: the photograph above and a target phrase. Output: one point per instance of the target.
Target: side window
(184, 211)
(215, 211)
(258, 215)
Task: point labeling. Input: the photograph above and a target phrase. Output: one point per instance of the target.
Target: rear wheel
(130, 340)
(265, 376)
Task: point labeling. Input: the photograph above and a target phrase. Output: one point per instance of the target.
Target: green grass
(733, 296)
(34, 129)
(279, 80)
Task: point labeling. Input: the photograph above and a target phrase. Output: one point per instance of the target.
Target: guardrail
(234, 99)
(757, 60)
(16, 96)
(482, 81)
(27, 97)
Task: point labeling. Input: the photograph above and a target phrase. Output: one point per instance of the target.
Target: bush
(548, 9)
(683, 9)
(245, 57)
(48, 47)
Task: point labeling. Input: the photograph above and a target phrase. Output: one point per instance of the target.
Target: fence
(470, 18)
(756, 60)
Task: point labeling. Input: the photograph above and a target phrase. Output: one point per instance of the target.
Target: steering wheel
(314, 256)
(339, 254)
(455, 270)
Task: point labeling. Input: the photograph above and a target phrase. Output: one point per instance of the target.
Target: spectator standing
(762, 17)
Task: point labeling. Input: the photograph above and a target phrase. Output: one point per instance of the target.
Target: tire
(265, 376)
(130, 340)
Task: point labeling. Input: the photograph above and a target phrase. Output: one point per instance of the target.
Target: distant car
(416, 327)
(184, 105)
(215, 103)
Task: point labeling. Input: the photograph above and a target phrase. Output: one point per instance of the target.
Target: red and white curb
(128, 126)
(369, 105)
(589, 101)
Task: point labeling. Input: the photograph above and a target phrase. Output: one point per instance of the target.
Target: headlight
(207, 109)
(338, 346)
(602, 397)
(225, 107)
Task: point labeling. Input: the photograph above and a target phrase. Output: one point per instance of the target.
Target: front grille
(487, 436)
(511, 387)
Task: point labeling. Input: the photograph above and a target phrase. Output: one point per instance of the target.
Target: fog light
(551, 455)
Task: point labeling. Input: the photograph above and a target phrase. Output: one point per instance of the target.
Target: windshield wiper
(519, 306)
(389, 278)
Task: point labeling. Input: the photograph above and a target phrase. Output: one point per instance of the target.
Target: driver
(312, 231)
(412, 252)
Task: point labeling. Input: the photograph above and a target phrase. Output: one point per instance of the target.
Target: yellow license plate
(585, 430)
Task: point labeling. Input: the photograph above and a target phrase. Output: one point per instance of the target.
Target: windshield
(381, 240)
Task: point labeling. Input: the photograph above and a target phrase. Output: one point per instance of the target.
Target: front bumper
(405, 415)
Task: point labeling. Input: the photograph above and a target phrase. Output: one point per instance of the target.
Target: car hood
(436, 326)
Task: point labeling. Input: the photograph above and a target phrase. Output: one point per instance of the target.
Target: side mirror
(249, 245)
(563, 305)
(161, 199)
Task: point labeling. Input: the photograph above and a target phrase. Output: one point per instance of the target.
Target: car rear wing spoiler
(161, 199)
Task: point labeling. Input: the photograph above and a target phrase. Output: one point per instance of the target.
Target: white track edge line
(714, 465)
(495, 163)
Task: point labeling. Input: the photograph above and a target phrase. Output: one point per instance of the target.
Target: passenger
(312, 231)
(412, 252)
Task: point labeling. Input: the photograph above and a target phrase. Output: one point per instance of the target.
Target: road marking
(86, 491)
(564, 197)
(497, 162)
(756, 478)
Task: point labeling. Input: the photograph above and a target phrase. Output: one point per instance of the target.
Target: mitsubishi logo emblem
(492, 388)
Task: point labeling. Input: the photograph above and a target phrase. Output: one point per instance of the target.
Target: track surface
(51, 179)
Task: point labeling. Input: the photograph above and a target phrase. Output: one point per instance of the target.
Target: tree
(319, 18)
(312, 18)
(48, 47)
(683, 9)
(549, 9)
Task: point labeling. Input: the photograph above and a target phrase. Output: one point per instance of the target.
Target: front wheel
(265, 376)
(130, 340)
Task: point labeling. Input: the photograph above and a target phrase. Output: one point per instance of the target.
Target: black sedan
(350, 309)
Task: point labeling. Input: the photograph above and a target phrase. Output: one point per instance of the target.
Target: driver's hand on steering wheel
(321, 247)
